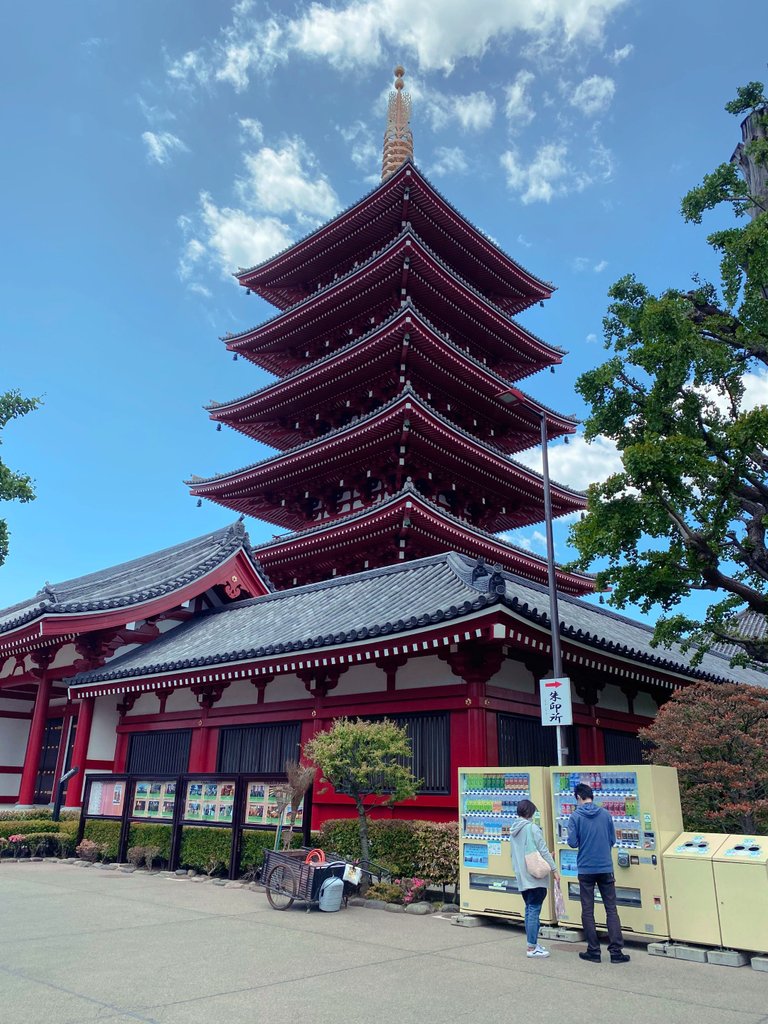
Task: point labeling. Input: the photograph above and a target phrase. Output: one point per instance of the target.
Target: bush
(253, 845)
(12, 826)
(90, 851)
(438, 851)
(206, 849)
(105, 834)
(138, 855)
(153, 834)
(385, 891)
(36, 815)
(393, 843)
(50, 844)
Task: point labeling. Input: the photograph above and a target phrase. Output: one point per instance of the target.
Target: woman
(525, 838)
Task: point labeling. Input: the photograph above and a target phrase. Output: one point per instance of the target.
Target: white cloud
(582, 263)
(472, 112)
(200, 289)
(518, 107)
(577, 464)
(251, 130)
(281, 193)
(363, 150)
(544, 178)
(449, 161)
(287, 181)
(593, 95)
(524, 241)
(237, 239)
(621, 54)
(360, 32)
(591, 338)
(600, 267)
(161, 146)
(755, 389)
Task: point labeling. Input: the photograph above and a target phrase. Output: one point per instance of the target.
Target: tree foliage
(717, 738)
(13, 486)
(688, 509)
(364, 759)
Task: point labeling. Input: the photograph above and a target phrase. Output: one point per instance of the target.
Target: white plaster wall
(287, 687)
(13, 737)
(178, 700)
(239, 692)
(419, 673)
(146, 704)
(513, 675)
(103, 735)
(645, 705)
(360, 679)
(64, 657)
(11, 704)
(9, 785)
(612, 699)
(11, 668)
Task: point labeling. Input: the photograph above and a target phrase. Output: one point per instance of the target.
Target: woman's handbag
(535, 864)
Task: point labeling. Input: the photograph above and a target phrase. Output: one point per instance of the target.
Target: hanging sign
(555, 697)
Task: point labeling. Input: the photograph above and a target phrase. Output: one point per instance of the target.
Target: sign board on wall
(555, 697)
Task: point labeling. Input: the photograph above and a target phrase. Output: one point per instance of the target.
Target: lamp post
(512, 397)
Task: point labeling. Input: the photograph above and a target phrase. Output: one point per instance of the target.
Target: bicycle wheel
(281, 887)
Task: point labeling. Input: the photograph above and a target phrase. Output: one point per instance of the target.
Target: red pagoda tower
(392, 348)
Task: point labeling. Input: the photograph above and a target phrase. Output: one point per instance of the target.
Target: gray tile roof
(141, 579)
(391, 600)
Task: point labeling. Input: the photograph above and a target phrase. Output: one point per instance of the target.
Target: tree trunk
(365, 852)
(755, 174)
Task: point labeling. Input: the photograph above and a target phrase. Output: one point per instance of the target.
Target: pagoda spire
(398, 137)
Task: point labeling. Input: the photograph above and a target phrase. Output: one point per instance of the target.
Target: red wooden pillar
(80, 751)
(476, 663)
(36, 730)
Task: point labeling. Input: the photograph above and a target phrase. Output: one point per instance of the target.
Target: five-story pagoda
(392, 348)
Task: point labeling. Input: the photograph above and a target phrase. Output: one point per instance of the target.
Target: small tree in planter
(365, 759)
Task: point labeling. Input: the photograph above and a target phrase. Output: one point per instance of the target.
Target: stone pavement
(81, 945)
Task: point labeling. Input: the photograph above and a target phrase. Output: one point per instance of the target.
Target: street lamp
(513, 397)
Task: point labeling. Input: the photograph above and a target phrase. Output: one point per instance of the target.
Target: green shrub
(36, 815)
(152, 833)
(394, 843)
(253, 845)
(106, 834)
(205, 849)
(14, 826)
(385, 891)
(50, 844)
(438, 851)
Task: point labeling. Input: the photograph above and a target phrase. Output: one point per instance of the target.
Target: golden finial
(398, 138)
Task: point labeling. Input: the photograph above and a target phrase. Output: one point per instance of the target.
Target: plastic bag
(559, 901)
(353, 874)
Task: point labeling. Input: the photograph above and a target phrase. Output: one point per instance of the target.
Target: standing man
(591, 831)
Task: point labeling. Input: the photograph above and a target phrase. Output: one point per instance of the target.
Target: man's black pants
(607, 886)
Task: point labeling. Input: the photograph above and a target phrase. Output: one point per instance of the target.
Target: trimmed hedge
(17, 826)
(205, 849)
(425, 849)
(151, 834)
(106, 833)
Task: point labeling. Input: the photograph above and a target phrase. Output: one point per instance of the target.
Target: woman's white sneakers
(537, 951)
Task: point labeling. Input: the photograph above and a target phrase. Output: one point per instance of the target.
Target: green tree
(365, 759)
(717, 738)
(13, 486)
(688, 509)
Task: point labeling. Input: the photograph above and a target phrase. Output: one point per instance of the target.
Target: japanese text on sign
(555, 697)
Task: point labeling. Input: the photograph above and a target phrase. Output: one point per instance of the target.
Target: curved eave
(85, 617)
(298, 390)
(440, 523)
(383, 423)
(312, 247)
(348, 287)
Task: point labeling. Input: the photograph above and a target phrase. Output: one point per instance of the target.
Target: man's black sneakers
(593, 958)
(620, 958)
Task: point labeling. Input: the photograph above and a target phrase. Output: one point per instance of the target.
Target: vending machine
(741, 881)
(488, 799)
(644, 802)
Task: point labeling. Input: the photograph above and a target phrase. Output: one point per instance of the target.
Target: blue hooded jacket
(591, 831)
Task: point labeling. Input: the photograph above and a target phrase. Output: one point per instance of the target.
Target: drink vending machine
(488, 799)
(644, 802)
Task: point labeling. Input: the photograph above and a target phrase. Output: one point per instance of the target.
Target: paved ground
(81, 944)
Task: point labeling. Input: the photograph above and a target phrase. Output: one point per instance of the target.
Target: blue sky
(152, 147)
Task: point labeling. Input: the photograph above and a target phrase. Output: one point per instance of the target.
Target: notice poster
(154, 800)
(261, 806)
(211, 802)
(106, 799)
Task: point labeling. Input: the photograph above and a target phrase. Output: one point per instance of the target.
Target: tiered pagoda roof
(396, 356)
